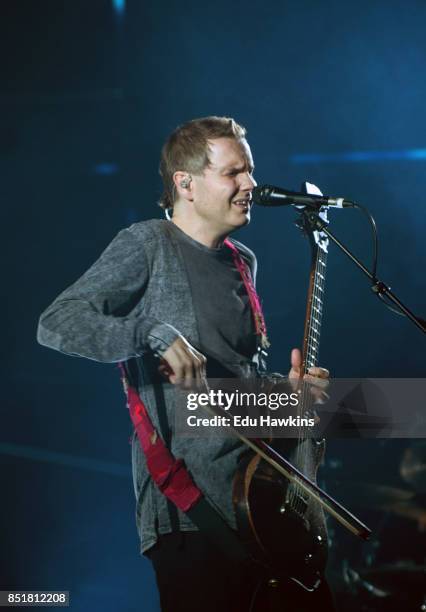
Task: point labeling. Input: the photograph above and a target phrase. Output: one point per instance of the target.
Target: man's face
(222, 195)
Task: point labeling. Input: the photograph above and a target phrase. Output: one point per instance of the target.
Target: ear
(183, 184)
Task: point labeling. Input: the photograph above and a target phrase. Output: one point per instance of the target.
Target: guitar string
(302, 399)
(315, 317)
(297, 497)
(313, 340)
(322, 263)
(313, 345)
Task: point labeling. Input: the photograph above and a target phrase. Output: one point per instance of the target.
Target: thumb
(296, 363)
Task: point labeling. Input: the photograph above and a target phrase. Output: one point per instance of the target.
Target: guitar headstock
(318, 239)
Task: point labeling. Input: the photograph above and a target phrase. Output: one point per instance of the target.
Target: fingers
(316, 377)
(183, 365)
(200, 367)
(319, 372)
(164, 369)
(296, 365)
(314, 381)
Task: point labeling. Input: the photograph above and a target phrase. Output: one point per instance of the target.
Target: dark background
(331, 92)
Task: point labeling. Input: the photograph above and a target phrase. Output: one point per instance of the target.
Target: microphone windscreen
(260, 195)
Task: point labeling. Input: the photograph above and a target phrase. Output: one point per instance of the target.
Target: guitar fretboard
(315, 308)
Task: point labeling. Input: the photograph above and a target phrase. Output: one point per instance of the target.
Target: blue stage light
(106, 168)
(417, 154)
(358, 156)
(76, 461)
(119, 6)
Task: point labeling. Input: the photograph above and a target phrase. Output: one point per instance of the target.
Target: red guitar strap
(256, 308)
(169, 473)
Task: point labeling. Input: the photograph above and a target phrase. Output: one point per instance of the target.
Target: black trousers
(193, 576)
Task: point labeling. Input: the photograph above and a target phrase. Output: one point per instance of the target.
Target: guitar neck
(314, 309)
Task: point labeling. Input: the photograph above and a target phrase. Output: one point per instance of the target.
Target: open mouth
(243, 204)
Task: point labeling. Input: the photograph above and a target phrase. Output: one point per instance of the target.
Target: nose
(248, 183)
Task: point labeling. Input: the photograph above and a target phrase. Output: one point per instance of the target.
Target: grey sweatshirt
(131, 304)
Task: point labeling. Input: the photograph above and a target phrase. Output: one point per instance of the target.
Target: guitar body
(283, 527)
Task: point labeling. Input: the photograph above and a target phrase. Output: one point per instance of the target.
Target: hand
(316, 377)
(182, 364)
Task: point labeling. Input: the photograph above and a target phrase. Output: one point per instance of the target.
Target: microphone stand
(378, 286)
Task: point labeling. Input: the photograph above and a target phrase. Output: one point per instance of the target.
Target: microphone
(267, 195)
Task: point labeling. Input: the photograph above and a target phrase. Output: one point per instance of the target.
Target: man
(168, 298)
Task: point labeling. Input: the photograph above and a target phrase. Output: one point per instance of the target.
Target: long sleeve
(100, 316)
